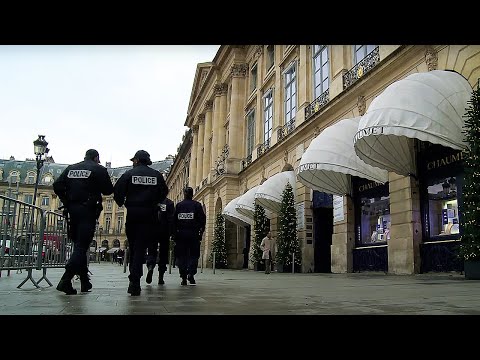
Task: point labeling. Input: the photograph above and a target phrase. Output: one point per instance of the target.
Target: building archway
(116, 243)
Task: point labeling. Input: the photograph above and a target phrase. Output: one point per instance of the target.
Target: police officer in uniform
(80, 188)
(140, 189)
(166, 209)
(189, 223)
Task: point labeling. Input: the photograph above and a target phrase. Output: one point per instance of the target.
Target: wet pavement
(245, 292)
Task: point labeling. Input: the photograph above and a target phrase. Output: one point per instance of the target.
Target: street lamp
(40, 149)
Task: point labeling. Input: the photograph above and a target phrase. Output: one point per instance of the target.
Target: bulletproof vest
(144, 186)
(83, 182)
(186, 214)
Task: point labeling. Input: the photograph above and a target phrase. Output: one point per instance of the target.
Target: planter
(472, 270)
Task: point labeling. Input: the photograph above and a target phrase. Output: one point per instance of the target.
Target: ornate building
(255, 110)
(17, 180)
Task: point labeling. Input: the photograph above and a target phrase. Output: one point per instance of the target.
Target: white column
(201, 126)
(207, 138)
(236, 134)
(193, 158)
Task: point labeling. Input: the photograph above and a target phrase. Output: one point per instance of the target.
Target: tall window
(108, 221)
(109, 204)
(270, 56)
(250, 131)
(320, 70)
(268, 119)
(360, 51)
(28, 198)
(290, 93)
(253, 78)
(14, 177)
(45, 201)
(119, 224)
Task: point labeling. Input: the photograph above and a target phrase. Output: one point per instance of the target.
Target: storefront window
(443, 207)
(372, 212)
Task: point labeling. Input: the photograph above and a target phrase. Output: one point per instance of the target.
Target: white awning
(330, 160)
(269, 194)
(231, 213)
(426, 106)
(246, 204)
(113, 250)
(101, 249)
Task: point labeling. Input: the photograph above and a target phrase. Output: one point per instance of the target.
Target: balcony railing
(286, 129)
(262, 149)
(317, 104)
(247, 161)
(220, 163)
(204, 182)
(363, 67)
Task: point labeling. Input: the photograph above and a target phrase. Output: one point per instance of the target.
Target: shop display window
(375, 221)
(443, 210)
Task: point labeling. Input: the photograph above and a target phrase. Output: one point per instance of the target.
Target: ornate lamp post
(40, 149)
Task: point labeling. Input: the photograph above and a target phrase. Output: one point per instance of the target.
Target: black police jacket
(140, 189)
(189, 220)
(83, 182)
(166, 211)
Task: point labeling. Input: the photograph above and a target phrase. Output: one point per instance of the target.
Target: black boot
(134, 288)
(85, 284)
(191, 279)
(184, 280)
(160, 278)
(149, 274)
(65, 284)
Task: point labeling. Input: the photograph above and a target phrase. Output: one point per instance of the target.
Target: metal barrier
(31, 239)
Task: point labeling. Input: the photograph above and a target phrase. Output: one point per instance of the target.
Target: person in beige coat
(268, 247)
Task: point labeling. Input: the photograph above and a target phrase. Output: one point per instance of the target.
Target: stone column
(201, 127)
(222, 116)
(193, 158)
(406, 228)
(236, 126)
(343, 239)
(218, 90)
(207, 138)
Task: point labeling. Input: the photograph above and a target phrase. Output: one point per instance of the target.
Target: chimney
(108, 164)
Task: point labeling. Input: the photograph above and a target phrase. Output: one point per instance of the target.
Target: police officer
(166, 209)
(80, 188)
(140, 189)
(189, 223)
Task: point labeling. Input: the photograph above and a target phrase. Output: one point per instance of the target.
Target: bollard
(201, 264)
(125, 259)
(170, 263)
(213, 265)
(293, 263)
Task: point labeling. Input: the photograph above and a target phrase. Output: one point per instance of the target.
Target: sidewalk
(237, 292)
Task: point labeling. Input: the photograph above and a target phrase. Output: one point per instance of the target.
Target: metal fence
(32, 239)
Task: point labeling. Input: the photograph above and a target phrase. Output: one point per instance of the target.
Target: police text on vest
(185, 216)
(144, 180)
(79, 174)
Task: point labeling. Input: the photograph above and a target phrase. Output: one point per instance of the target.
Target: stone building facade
(255, 109)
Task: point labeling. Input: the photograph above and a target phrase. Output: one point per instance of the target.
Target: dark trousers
(159, 254)
(139, 236)
(82, 228)
(187, 254)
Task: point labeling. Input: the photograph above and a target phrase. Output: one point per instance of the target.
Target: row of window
(14, 178)
(320, 71)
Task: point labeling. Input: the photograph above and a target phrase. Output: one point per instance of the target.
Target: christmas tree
(261, 228)
(218, 243)
(287, 240)
(470, 219)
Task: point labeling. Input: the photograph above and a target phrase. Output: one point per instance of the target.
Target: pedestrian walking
(189, 224)
(267, 246)
(166, 210)
(140, 189)
(80, 188)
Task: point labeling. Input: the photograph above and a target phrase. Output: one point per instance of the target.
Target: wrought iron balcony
(286, 129)
(220, 163)
(196, 189)
(262, 149)
(317, 104)
(204, 182)
(247, 161)
(363, 67)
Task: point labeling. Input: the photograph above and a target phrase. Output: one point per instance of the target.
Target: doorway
(323, 230)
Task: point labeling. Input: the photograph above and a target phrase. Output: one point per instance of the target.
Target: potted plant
(470, 219)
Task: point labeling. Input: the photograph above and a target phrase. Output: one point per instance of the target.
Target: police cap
(142, 156)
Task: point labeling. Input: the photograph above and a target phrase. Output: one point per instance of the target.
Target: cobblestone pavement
(239, 292)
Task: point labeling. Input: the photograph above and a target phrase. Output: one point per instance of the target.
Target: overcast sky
(116, 99)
